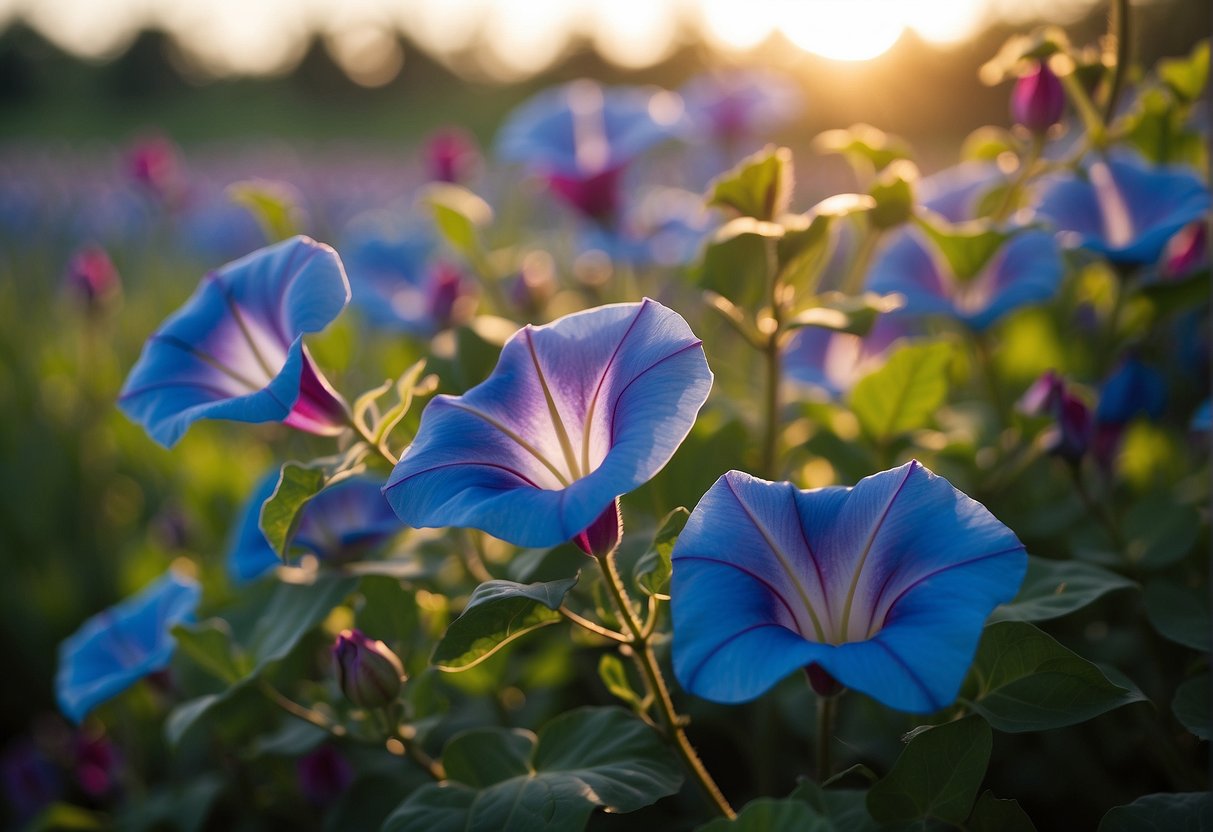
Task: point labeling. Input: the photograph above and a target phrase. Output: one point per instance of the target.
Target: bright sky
(508, 39)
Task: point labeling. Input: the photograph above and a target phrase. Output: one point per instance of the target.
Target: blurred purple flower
(31, 779)
(666, 228)
(119, 646)
(737, 104)
(834, 361)
(235, 349)
(340, 524)
(1132, 390)
(1123, 208)
(92, 279)
(1186, 252)
(451, 155)
(576, 413)
(98, 764)
(154, 164)
(1071, 432)
(883, 587)
(324, 775)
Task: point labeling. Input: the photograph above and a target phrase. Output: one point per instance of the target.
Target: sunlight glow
(845, 30)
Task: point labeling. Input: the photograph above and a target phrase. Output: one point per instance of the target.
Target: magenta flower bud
(449, 296)
(155, 165)
(324, 775)
(369, 674)
(602, 536)
(596, 195)
(451, 156)
(98, 764)
(1038, 100)
(92, 278)
(1186, 252)
(1071, 433)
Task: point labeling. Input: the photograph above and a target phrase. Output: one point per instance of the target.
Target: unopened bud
(369, 674)
(1038, 100)
(602, 536)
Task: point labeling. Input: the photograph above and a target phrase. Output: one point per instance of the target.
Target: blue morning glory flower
(737, 104)
(396, 280)
(119, 646)
(1134, 389)
(834, 361)
(1026, 270)
(235, 349)
(338, 525)
(667, 227)
(581, 135)
(885, 586)
(956, 193)
(576, 413)
(1124, 208)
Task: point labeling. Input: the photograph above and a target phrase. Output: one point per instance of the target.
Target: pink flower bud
(1038, 100)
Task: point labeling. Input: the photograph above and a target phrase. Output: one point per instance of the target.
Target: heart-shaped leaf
(1053, 588)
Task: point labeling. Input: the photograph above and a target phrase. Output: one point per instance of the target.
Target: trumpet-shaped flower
(337, 525)
(119, 646)
(580, 136)
(884, 586)
(235, 349)
(1125, 209)
(1026, 270)
(576, 413)
(834, 361)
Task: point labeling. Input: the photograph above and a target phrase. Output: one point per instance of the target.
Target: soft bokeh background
(334, 98)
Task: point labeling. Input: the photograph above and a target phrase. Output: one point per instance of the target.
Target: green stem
(772, 352)
(1119, 30)
(1022, 177)
(827, 709)
(646, 660)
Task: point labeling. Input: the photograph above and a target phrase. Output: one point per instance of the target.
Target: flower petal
(576, 413)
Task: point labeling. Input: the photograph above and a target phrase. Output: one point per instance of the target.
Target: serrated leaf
(992, 814)
(767, 814)
(760, 186)
(967, 247)
(1180, 613)
(497, 613)
(1191, 705)
(904, 394)
(1025, 681)
(583, 759)
(936, 776)
(458, 214)
(209, 644)
(297, 485)
(615, 676)
(652, 570)
(1053, 588)
(840, 312)
(735, 261)
(1182, 812)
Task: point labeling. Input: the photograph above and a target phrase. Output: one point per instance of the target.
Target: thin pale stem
(1119, 30)
(646, 659)
(773, 355)
(406, 736)
(298, 711)
(597, 629)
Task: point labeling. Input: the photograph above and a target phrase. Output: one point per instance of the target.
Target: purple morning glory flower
(739, 104)
(235, 349)
(885, 586)
(1124, 208)
(835, 361)
(119, 646)
(1070, 434)
(666, 228)
(576, 413)
(581, 135)
(396, 280)
(1026, 270)
(956, 193)
(338, 525)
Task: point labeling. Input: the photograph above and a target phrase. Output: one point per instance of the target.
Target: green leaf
(64, 817)
(1180, 613)
(1161, 532)
(735, 261)
(1187, 76)
(297, 485)
(652, 570)
(209, 644)
(1053, 588)
(808, 239)
(1182, 812)
(865, 147)
(760, 186)
(1191, 705)
(458, 214)
(615, 676)
(183, 717)
(936, 776)
(767, 814)
(846, 809)
(293, 610)
(904, 394)
(967, 247)
(839, 312)
(275, 206)
(1026, 681)
(497, 613)
(512, 781)
(992, 814)
(985, 144)
(893, 192)
(388, 610)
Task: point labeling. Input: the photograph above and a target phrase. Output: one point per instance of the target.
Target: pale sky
(508, 39)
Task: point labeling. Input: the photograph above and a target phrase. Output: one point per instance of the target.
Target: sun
(845, 30)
